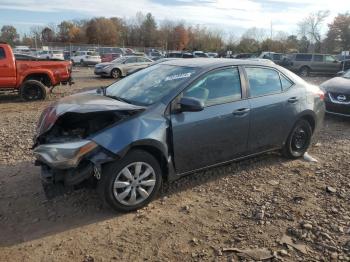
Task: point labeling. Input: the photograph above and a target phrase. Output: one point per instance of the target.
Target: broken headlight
(64, 155)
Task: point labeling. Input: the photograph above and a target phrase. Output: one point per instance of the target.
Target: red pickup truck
(31, 78)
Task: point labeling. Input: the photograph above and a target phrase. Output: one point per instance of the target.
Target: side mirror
(190, 104)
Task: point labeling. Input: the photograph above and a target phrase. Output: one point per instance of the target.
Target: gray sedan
(172, 119)
(122, 66)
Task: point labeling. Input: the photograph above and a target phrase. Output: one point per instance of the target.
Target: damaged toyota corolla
(172, 119)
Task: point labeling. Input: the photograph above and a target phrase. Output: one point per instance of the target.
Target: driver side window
(218, 87)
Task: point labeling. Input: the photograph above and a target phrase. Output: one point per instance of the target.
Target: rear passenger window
(218, 87)
(303, 57)
(263, 81)
(2, 53)
(318, 58)
(276, 57)
(285, 82)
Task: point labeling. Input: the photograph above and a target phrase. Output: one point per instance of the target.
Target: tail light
(321, 94)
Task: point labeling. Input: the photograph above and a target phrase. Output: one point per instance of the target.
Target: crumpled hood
(337, 85)
(80, 103)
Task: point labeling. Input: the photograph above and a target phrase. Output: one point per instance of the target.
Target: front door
(7, 70)
(219, 132)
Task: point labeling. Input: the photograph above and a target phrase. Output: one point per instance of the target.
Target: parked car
(277, 58)
(154, 55)
(172, 119)
(122, 66)
(305, 64)
(85, 58)
(31, 78)
(245, 56)
(199, 54)
(212, 55)
(109, 57)
(337, 94)
(178, 54)
(51, 54)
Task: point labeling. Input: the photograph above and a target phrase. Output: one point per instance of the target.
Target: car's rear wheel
(304, 71)
(33, 90)
(132, 182)
(298, 140)
(115, 73)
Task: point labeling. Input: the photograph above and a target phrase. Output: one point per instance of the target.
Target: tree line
(144, 31)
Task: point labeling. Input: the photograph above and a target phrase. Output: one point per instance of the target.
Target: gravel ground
(265, 208)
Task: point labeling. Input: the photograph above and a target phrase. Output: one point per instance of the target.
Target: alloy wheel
(134, 183)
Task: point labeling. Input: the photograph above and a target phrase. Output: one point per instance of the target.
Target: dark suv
(305, 64)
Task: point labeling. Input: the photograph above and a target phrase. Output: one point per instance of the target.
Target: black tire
(112, 171)
(73, 63)
(298, 140)
(82, 62)
(115, 73)
(32, 90)
(304, 71)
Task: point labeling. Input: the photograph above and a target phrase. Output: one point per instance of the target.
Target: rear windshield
(92, 53)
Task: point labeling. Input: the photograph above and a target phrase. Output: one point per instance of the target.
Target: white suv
(86, 58)
(51, 54)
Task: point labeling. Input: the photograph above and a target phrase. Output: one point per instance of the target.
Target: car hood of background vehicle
(337, 84)
(104, 64)
(87, 102)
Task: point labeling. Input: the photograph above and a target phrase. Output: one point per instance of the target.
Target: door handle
(241, 111)
(293, 100)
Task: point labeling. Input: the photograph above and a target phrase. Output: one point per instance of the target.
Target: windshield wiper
(102, 89)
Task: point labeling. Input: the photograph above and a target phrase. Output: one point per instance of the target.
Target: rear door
(273, 109)
(318, 64)
(219, 132)
(7, 69)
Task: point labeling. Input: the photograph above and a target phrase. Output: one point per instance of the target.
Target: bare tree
(311, 26)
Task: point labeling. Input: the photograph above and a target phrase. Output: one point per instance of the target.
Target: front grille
(339, 97)
(338, 108)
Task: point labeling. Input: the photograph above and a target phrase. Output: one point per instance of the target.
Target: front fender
(147, 130)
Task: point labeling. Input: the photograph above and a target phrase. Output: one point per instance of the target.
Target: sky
(230, 16)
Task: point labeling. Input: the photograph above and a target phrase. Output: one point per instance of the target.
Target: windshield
(119, 60)
(347, 74)
(57, 52)
(200, 54)
(151, 84)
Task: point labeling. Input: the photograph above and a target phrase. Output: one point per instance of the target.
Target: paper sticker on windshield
(178, 76)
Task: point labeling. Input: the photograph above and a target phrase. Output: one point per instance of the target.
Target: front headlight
(64, 155)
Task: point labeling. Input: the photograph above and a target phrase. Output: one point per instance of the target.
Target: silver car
(122, 66)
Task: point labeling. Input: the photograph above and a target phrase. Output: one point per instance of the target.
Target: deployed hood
(84, 104)
(337, 85)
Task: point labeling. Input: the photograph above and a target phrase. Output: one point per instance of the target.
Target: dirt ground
(266, 207)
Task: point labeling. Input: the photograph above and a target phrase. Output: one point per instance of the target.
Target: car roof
(218, 62)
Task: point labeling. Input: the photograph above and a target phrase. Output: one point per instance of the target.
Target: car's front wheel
(298, 140)
(132, 182)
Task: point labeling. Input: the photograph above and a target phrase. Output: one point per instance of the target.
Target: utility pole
(271, 29)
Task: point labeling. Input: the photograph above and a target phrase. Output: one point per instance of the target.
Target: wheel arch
(156, 150)
(310, 117)
(43, 77)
